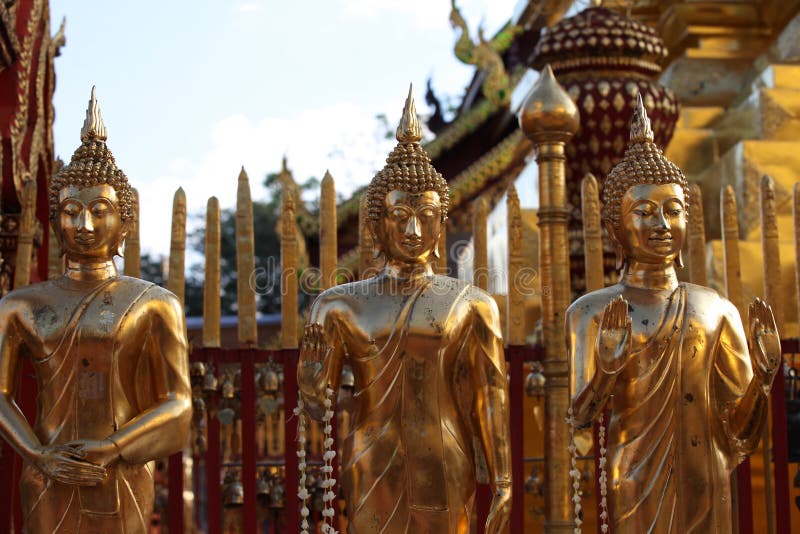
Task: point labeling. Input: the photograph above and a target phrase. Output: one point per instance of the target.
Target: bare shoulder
(340, 299)
(28, 298)
(154, 298)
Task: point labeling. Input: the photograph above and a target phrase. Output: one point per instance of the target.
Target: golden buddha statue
(426, 352)
(687, 398)
(110, 357)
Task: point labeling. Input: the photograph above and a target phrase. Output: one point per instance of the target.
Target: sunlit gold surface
(688, 399)
(110, 357)
(426, 353)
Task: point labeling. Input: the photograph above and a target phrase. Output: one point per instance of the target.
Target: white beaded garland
(574, 472)
(328, 483)
(601, 442)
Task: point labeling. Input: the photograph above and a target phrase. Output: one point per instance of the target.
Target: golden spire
(640, 123)
(409, 130)
(408, 167)
(93, 126)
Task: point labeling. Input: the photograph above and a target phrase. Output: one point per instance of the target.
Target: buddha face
(653, 223)
(410, 228)
(88, 222)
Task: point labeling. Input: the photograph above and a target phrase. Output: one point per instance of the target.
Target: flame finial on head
(93, 126)
(640, 123)
(409, 130)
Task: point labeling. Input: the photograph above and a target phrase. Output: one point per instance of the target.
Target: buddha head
(407, 200)
(91, 202)
(645, 200)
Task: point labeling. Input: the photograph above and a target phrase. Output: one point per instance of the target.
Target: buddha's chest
(417, 325)
(73, 318)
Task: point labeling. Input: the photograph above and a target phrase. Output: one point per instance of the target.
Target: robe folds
(670, 449)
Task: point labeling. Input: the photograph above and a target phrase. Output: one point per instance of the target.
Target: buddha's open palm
(614, 336)
(765, 345)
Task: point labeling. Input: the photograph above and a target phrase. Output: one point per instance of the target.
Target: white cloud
(248, 7)
(341, 138)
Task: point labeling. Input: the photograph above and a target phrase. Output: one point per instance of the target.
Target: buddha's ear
(55, 224)
(377, 241)
(679, 260)
(127, 226)
(619, 253)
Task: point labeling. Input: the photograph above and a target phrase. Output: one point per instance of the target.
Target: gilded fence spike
(697, 237)
(516, 263)
(211, 284)
(27, 228)
(176, 282)
(133, 248)
(366, 246)
(771, 251)
(730, 250)
(480, 251)
(245, 264)
(328, 249)
(592, 233)
(288, 270)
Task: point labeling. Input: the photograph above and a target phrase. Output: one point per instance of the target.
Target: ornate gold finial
(409, 130)
(640, 123)
(93, 126)
(548, 113)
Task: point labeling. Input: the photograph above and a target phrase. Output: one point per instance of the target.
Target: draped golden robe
(670, 449)
(428, 366)
(102, 367)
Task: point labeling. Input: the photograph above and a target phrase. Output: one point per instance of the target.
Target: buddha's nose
(663, 221)
(85, 223)
(412, 227)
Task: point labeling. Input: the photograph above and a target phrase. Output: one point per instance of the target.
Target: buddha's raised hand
(314, 346)
(614, 336)
(765, 345)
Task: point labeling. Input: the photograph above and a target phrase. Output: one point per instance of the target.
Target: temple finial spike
(640, 123)
(93, 126)
(409, 130)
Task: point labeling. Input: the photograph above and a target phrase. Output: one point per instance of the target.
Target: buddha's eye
(70, 210)
(641, 212)
(428, 212)
(398, 214)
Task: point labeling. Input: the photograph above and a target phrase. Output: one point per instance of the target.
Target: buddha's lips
(661, 239)
(84, 239)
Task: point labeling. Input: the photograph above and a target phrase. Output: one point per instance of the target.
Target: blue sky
(191, 91)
